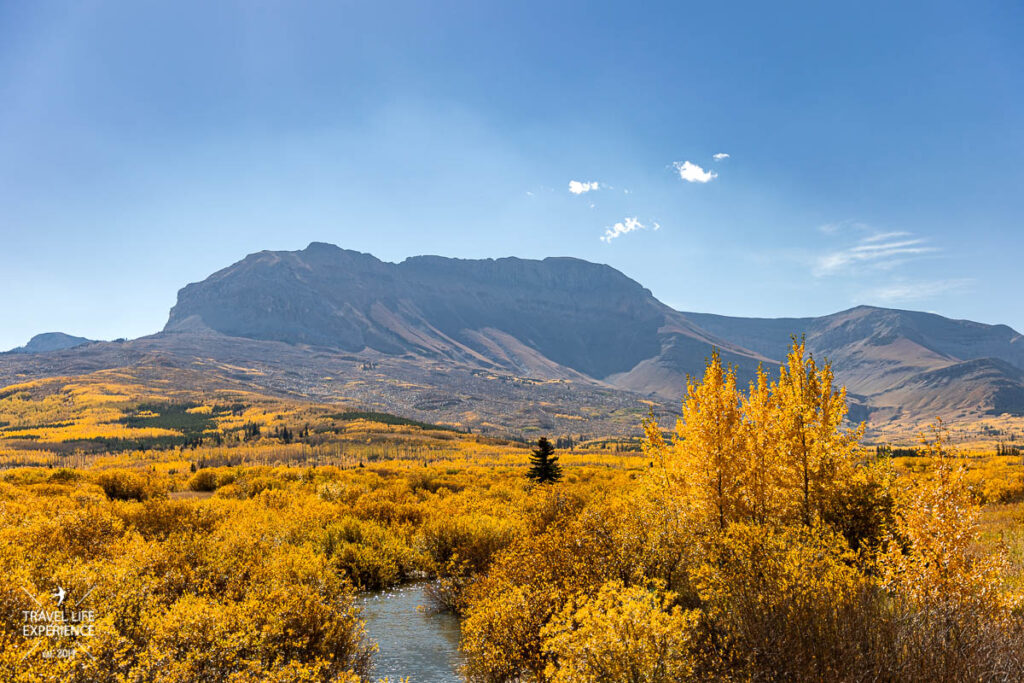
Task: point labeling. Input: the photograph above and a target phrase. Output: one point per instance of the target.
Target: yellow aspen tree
(834, 446)
(763, 469)
(815, 447)
(792, 395)
(709, 443)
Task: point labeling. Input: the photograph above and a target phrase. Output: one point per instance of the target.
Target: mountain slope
(504, 344)
(51, 341)
(880, 352)
(563, 318)
(558, 317)
(988, 385)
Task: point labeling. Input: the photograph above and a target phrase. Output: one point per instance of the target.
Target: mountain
(560, 317)
(899, 361)
(571, 319)
(558, 344)
(51, 341)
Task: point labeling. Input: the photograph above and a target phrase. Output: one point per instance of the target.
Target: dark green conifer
(544, 465)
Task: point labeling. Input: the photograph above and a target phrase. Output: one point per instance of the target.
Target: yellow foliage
(757, 541)
(623, 633)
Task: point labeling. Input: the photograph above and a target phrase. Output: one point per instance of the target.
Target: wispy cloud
(882, 236)
(577, 187)
(692, 173)
(720, 156)
(877, 251)
(626, 226)
(915, 291)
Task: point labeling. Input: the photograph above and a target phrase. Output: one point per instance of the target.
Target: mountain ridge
(440, 307)
(51, 341)
(546, 344)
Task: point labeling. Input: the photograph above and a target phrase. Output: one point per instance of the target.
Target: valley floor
(235, 537)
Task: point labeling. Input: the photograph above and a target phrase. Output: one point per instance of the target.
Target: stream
(421, 645)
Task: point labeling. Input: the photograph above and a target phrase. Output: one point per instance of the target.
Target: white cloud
(576, 187)
(878, 237)
(720, 156)
(692, 173)
(848, 226)
(626, 226)
(914, 291)
(878, 251)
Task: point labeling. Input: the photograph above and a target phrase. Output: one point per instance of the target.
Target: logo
(65, 630)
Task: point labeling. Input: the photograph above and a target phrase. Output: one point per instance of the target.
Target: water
(421, 645)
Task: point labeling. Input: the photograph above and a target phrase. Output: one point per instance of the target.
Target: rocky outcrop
(51, 341)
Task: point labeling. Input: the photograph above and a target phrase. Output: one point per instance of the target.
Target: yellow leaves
(567, 556)
(501, 639)
(87, 430)
(763, 478)
(939, 525)
(129, 485)
(732, 558)
(762, 515)
(817, 452)
(709, 441)
(776, 453)
(621, 634)
(752, 569)
(218, 591)
(787, 603)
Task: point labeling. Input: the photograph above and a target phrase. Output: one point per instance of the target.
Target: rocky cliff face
(583, 316)
(567, 318)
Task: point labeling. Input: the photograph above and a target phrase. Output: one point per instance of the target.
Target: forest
(227, 538)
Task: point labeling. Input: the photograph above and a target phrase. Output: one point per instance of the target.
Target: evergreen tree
(544, 465)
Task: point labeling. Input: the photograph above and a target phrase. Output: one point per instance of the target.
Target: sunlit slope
(903, 363)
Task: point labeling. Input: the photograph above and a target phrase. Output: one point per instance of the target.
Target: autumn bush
(635, 633)
(204, 480)
(120, 484)
(764, 544)
(755, 539)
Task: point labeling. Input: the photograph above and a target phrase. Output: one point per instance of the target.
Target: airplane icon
(59, 594)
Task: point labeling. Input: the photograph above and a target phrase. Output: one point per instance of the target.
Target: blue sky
(875, 149)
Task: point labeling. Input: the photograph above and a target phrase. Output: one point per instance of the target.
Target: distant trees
(1007, 449)
(564, 442)
(251, 430)
(544, 467)
(284, 434)
(887, 451)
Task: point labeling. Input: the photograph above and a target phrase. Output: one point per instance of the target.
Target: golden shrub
(622, 633)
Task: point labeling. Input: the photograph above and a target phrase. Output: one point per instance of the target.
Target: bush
(204, 480)
(622, 634)
(126, 485)
(473, 539)
(65, 476)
